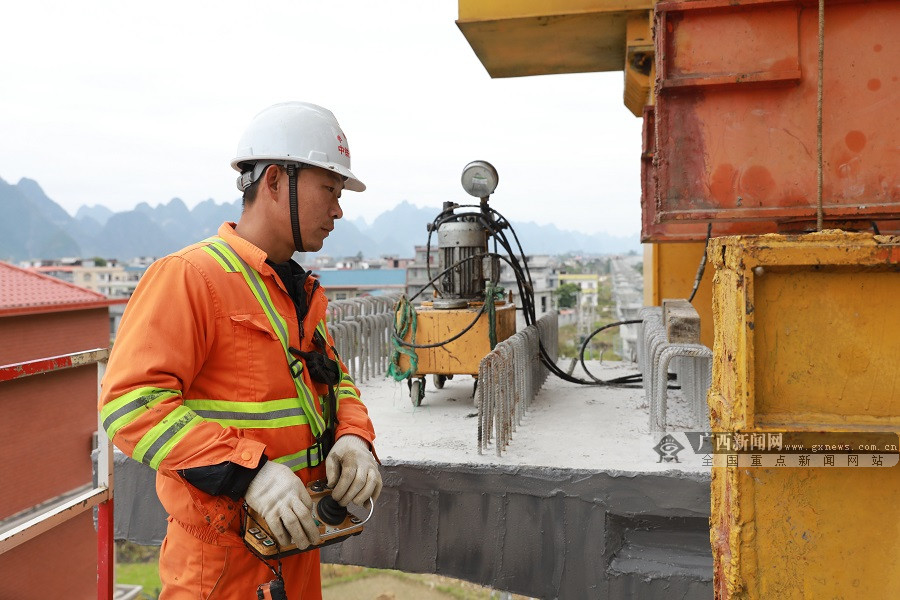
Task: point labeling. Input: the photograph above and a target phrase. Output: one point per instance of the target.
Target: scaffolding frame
(26, 525)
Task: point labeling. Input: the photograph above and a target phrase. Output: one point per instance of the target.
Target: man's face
(318, 205)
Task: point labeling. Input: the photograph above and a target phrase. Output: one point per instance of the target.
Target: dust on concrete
(567, 425)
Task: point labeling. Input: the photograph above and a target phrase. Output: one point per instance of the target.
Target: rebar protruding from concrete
(699, 354)
(361, 328)
(694, 370)
(509, 377)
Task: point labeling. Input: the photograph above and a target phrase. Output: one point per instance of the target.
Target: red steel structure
(733, 137)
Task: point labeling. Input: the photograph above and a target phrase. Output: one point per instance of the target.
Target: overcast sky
(117, 103)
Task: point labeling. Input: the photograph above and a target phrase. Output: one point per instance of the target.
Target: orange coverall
(197, 377)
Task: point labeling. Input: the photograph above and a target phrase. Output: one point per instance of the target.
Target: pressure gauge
(480, 178)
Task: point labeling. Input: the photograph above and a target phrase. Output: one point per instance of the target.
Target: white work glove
(352, 471)
(281, 499)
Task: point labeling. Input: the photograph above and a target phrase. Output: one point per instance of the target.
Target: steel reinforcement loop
(361, 328)
(509, 378)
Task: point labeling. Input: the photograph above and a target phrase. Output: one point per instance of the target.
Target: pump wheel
(438, 381)
(417, 391)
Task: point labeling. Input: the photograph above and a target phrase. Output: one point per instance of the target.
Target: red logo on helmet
(343, 149)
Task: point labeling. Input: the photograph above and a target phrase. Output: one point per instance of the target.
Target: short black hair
(252, 189)
(250, 194)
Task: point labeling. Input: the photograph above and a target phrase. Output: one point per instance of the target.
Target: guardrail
(27, 525)
(361, 328)
(509, 378)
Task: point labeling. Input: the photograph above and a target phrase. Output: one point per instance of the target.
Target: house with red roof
(51, 335)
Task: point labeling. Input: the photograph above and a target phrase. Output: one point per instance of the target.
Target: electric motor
(457, 242)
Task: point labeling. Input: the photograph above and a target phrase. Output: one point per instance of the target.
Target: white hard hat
(294, 132)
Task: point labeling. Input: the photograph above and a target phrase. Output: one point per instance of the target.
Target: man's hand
(352, 471)
(281, 499)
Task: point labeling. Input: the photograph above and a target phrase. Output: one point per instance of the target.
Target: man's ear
(271, 178)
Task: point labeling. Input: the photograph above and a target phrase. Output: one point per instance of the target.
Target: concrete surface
(579, 505)
(568, 426)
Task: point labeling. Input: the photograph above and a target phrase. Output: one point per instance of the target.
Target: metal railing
(509, 377)
(20, 528)
(361, 328)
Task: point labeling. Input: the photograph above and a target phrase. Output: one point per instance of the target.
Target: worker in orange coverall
(224, 377)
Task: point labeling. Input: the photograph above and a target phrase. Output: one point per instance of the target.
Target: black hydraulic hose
(448, 340)
(400, 341)
(587, 340)
(702, 266)
(524, 284)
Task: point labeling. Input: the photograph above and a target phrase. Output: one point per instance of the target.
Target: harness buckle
(296, 368)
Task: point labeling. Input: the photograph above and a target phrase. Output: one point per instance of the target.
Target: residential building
(48, 427)
(417, 273)
(543, 271)
(588, 285)
(628, 295)
(112, 279)
(341, 284)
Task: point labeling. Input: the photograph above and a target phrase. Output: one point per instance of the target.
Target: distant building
(628, 294)
(417, 273)
(113, 280)
(588, 285)
(390, 262)
(544, 281)
(342, 284)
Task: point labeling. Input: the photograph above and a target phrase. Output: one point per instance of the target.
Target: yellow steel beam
(639, 62)
(543, 37)
(807, 339)
(670, 271)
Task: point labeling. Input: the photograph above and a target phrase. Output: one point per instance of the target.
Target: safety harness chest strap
(229, 260)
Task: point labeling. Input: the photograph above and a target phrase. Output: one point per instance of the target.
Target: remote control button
(268, 543)
(254, 530)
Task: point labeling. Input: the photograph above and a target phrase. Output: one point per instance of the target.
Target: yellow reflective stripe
(301, 460)
(270, 414)
(156, 443)
(128, 407)
(259, 291)
(219, 259)
(323, 331)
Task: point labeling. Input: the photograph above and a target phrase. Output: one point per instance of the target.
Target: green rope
(492, 294)
(404, 320)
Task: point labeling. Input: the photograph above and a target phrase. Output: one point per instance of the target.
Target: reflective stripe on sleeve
(128, 407)
(347, 393)
(156, 443)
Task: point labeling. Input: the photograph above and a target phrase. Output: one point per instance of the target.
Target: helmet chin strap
(292, 172)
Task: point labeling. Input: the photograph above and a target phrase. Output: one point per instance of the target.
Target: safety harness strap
(233, 263)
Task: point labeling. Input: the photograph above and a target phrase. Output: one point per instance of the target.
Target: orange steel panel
(735, 130)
